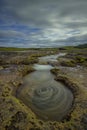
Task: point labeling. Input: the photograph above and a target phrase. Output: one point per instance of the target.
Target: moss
(1, 67)
(55, 70)
(80, 59)
(23, 60)
(68, 63)
(25, 69)
(73, 119)
(72, 59)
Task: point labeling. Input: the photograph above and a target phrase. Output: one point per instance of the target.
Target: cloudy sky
(43, 23)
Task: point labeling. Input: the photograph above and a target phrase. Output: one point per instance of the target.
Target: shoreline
(71, 86)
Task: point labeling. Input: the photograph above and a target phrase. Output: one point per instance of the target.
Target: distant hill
(82, 46)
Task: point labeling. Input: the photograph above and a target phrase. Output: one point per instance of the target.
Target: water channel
(48, 99)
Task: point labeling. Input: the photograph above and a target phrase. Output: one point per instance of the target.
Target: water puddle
(48, 99)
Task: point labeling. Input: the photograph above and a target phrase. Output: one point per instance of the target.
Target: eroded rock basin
(48, 99)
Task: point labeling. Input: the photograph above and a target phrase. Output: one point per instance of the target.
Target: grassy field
(25, 49)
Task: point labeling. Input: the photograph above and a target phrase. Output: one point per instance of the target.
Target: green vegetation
(26, 49)
(80, 59)
(82, 46)
(55, 71)
(68, 63)
(23, 60)
(25, 69)
(79, 48)
(12, 49)
(74, 58)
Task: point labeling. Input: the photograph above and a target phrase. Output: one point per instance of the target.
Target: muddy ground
(70, 70)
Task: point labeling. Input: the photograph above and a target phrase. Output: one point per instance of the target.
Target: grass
(26, 49)
(12, 49)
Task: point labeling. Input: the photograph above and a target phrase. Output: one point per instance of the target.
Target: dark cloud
(59, 21)
(40, 12)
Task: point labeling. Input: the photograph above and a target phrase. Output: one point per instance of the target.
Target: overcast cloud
(43, 23)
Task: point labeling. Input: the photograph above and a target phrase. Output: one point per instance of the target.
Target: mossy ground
(73, 58)
(14, 115)
(78, 87)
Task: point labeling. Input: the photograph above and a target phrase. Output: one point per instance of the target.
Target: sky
(43, 23)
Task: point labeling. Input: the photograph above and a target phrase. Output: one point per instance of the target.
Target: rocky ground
(14, 115)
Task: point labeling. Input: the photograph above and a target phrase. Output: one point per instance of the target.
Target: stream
(47, 98)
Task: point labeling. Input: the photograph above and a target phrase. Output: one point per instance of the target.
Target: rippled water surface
(49, 99)
(51, 57)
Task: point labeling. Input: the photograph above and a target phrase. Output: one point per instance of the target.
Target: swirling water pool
(48, 99)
